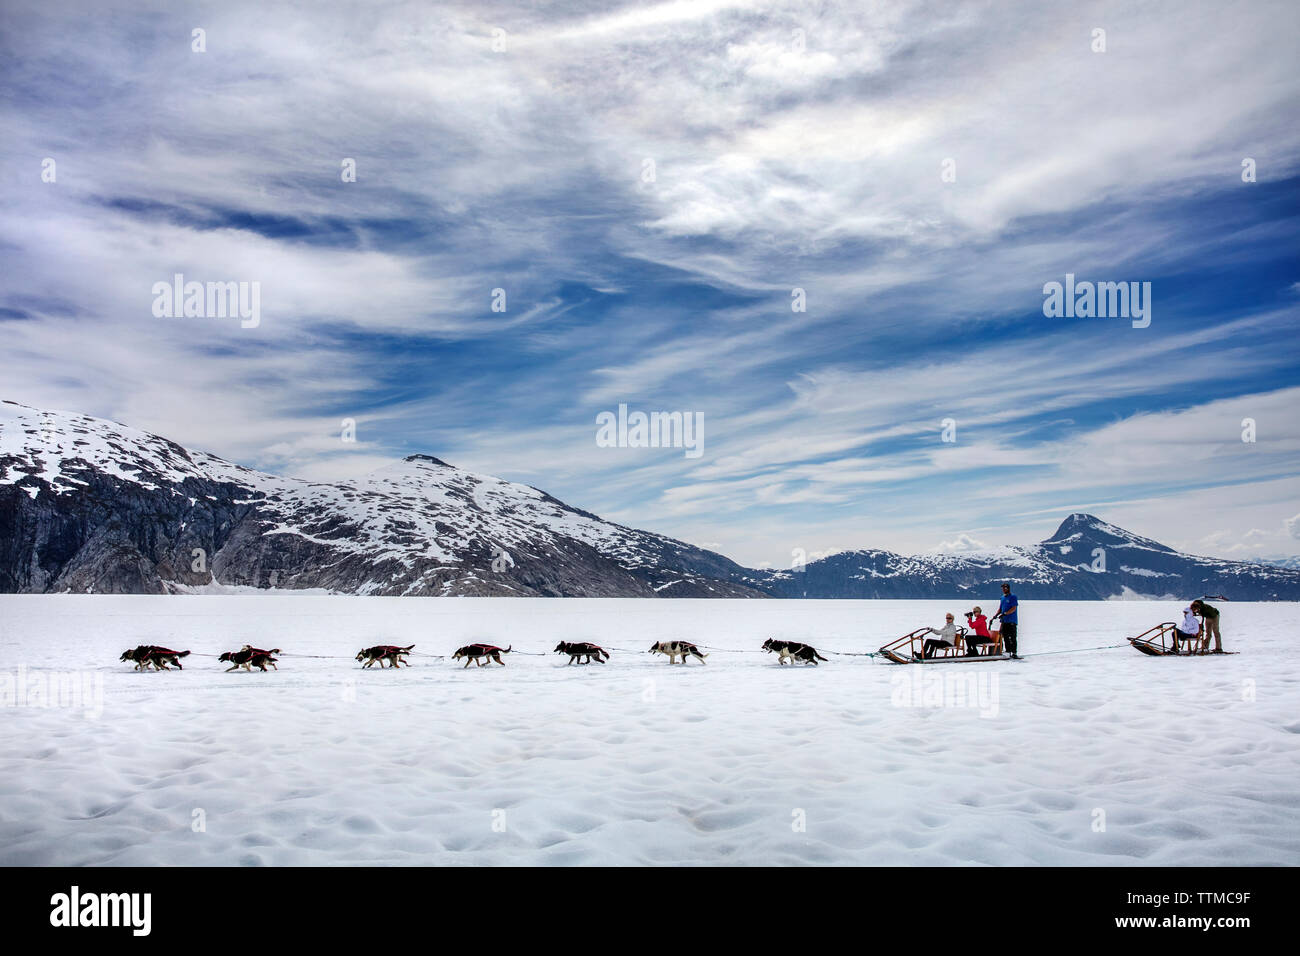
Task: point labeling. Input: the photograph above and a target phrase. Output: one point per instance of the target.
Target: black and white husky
(675, 649)
(793, 650)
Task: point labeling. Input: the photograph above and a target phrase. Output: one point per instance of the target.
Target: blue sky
(793, 145)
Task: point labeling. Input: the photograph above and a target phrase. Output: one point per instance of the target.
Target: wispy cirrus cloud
(793, 144)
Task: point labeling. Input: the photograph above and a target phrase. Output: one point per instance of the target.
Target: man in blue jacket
(1007, 612)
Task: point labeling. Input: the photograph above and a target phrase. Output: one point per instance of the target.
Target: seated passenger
(979, 631)
(1188, 630)
(947, 637)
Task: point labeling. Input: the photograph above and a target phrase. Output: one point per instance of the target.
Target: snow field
(1093, 758)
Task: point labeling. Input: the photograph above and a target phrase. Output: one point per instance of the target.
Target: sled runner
(908, 649)
(1159, 641)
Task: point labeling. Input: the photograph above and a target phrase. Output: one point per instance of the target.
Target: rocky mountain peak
(1084, 531)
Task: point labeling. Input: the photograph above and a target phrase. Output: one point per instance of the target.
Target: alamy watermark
(212, 300)
(129, 910)
(1102, 300)
(70, 689)
(923, 687)
(653, 430)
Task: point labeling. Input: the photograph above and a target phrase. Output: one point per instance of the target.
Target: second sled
(1163, 641)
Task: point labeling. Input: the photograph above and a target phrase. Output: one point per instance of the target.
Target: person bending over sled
(1210, 621)
(947, 637)
(979, 631)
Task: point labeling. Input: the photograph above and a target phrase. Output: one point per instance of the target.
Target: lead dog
(159, 657)
(249, 657)
(793, 650)
(138, 656)
(384, 652)
(673, 649)
(475, 654)
(582, 649)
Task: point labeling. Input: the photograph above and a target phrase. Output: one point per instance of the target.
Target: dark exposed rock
(91, 506)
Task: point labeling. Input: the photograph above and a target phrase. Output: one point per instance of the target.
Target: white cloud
(776, 167)
(963, 542)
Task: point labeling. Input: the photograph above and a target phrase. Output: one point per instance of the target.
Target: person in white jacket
(1189, 629)
(946, 636)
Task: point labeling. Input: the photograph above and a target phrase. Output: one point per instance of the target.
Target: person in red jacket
(979, 631)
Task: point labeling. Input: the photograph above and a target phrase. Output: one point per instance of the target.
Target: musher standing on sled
(1007, 612)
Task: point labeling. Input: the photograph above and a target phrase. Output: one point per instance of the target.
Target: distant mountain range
(1086, 559)
(92, 506)
(1291, 562)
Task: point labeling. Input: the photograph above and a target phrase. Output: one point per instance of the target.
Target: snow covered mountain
(89, 505)
(1086, 559)
(1291, 562)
